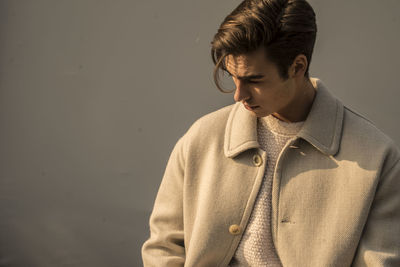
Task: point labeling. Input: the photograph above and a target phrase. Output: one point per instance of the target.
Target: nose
(241, 92)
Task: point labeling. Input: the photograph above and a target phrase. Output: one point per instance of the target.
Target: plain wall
(94, 95)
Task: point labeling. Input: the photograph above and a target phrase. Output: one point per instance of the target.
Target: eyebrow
(248, 77)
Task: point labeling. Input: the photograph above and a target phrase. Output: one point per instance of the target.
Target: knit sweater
(256, 247)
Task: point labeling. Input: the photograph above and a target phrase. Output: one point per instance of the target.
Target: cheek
(263, 90)
(287, 91)
(274, 94)
(263, 94)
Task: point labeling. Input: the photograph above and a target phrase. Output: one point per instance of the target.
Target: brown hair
(285, 28)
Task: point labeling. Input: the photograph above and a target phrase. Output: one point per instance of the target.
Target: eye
(253, 82)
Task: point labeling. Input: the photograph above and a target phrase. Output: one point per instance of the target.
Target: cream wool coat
(335, 196)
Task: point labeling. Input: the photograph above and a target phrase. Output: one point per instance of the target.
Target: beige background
(94, 94)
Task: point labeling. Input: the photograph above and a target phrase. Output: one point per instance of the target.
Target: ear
(299, 66)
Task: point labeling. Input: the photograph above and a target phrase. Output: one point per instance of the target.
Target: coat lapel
(323, 126)
(240, 132)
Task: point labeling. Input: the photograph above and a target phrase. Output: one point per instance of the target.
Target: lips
(251, 108)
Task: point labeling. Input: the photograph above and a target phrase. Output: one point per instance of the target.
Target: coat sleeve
(380, 242)
(165, 247)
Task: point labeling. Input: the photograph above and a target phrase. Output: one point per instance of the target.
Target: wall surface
(94, 94)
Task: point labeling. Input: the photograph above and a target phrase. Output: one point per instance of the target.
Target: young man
(287, 176)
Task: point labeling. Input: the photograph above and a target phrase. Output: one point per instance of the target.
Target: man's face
(259, 86)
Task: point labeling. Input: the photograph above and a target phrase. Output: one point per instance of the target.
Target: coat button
(235, 229)
(257, 160)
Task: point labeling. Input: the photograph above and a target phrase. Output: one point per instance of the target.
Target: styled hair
(285, 28)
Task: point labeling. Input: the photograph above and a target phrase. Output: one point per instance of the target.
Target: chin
(261, 114)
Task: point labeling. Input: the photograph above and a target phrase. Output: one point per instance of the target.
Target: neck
(299, 109)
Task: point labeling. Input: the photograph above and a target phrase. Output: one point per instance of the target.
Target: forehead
(244, 64)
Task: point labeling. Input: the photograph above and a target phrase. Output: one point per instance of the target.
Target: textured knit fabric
(256, 247)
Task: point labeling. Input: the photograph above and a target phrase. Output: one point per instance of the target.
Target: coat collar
(322, 128)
